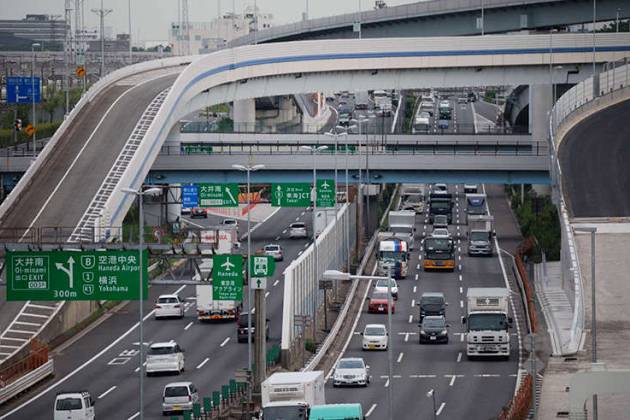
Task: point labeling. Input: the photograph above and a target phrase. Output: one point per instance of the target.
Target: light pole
(593, 29)
(35, 44)
(129, 15)
(101, 14)
(139, 193)
(336, 275)
(314, 150)
(483, 23)
(617, 20)
(431, 394)
(335, 135)
(359, 20)
(592, 230)
(260, 313)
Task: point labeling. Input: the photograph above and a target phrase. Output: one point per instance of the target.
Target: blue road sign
(190, 196)
(20, 90)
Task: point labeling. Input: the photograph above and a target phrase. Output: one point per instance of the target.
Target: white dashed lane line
(400, 356)
(188, 326)
(275, 283)
(459, 357)
(439, 410)
(200, 365)
(107, 392)
(410, 319)
(370, 411)
(225, 341)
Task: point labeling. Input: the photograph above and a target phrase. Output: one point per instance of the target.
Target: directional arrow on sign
(69, 271)
(228, 192)
(258, 283)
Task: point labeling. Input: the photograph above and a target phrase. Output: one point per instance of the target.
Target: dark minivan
(241, 328)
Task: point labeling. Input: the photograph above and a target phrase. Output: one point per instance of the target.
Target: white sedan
(375, 337)
(169, 306)
(351, 371)
(441, 233)
(381, 286)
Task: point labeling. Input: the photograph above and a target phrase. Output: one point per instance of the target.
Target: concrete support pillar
(245, 115)
(287, 109)
(540, 103)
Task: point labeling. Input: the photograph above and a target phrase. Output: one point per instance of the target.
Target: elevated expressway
(113, 136)
(443, 18)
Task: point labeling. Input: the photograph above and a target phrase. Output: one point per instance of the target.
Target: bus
(439, 254)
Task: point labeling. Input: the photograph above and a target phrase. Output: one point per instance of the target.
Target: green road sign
(326, 193)
(218, 195)
(261, 266)
(227, 277)
(80, 275)
(291, 195)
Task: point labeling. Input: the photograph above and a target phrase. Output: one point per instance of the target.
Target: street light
(249, 169)
(33, 45)
(335, 135)
(359, 122)
(337, 275)
(431, 394)
(314, 150)
(592, 230)
(139, 193)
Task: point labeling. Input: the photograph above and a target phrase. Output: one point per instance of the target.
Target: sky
(151, 18)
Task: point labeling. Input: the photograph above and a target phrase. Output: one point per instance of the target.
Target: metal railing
(572, 106)
(419, 147)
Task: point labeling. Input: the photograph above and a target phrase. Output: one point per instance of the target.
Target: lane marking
(387, 383)
(300, 253)
(267, 294)
(225, 341)
(415, 288)
(297, 218)
(277, 238)
(461, 337)
(452, 380)
(418, 267)
(459, 357)
(284, 231)
(461, 304)
(188, 326)
(416, 277)
(107, 392)
(437, 413)
(422, 376)
(461, 289)
(302, 214)
(134, 416)
(370, 411)
(74, 161)
(410, 319)
(275, 283)
(413, 303)
(460, 277)
(200, 365)
(85, 364)
(306, 245)
(400, 356)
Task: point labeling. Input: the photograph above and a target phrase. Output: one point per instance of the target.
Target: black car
(433, 329)
(432, 304)
(241, 328)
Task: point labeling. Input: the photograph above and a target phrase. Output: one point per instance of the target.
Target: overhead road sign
(326, 193)
(291, 194)
(227, 277)
(69, 275)
(20, 90)
(190, 196)
(218, 195)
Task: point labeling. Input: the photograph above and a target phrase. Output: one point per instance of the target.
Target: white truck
(480, 235)
(393, 256)
(289, 395)
(209, 309)
(402, 224)
(487, 322)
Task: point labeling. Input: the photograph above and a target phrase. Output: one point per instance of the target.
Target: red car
(378, 303)
(198, 212)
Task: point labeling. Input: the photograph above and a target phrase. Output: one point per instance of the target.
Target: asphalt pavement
(594, 158)
(463, 389)
(105, 360)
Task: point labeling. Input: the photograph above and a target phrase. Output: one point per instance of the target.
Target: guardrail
(567, 110)
(463, 147)
(26, 381)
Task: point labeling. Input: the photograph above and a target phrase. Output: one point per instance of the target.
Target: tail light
(176, 306)
(190, 398)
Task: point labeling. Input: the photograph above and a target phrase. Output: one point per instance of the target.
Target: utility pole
(101, 13)
(261, 340)
(130, 51)
(185, 25)
(66, 75)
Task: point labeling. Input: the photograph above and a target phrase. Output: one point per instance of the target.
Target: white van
(74, 406)
(165, 357)
(179, 396)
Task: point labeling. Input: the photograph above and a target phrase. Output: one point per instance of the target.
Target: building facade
(49, 31)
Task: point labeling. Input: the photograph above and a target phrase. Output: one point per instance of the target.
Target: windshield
(431, 300)
(440, 205)
(383, 283)
(440, 220)
(433, 323)
(438, 244)
(493, 322)
(392, 255)
(440, 232)
(412, 199)
(478, 236)
(381, 296)
(374, 331)
(298, 225)
(351, 364)
(67, 404)
(176, 391)
(294, 412)
(167, 300)
(400, 229)
(272, 248)
(161, 350)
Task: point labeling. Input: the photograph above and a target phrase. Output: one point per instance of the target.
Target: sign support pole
(261, 340)
(140, 319)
